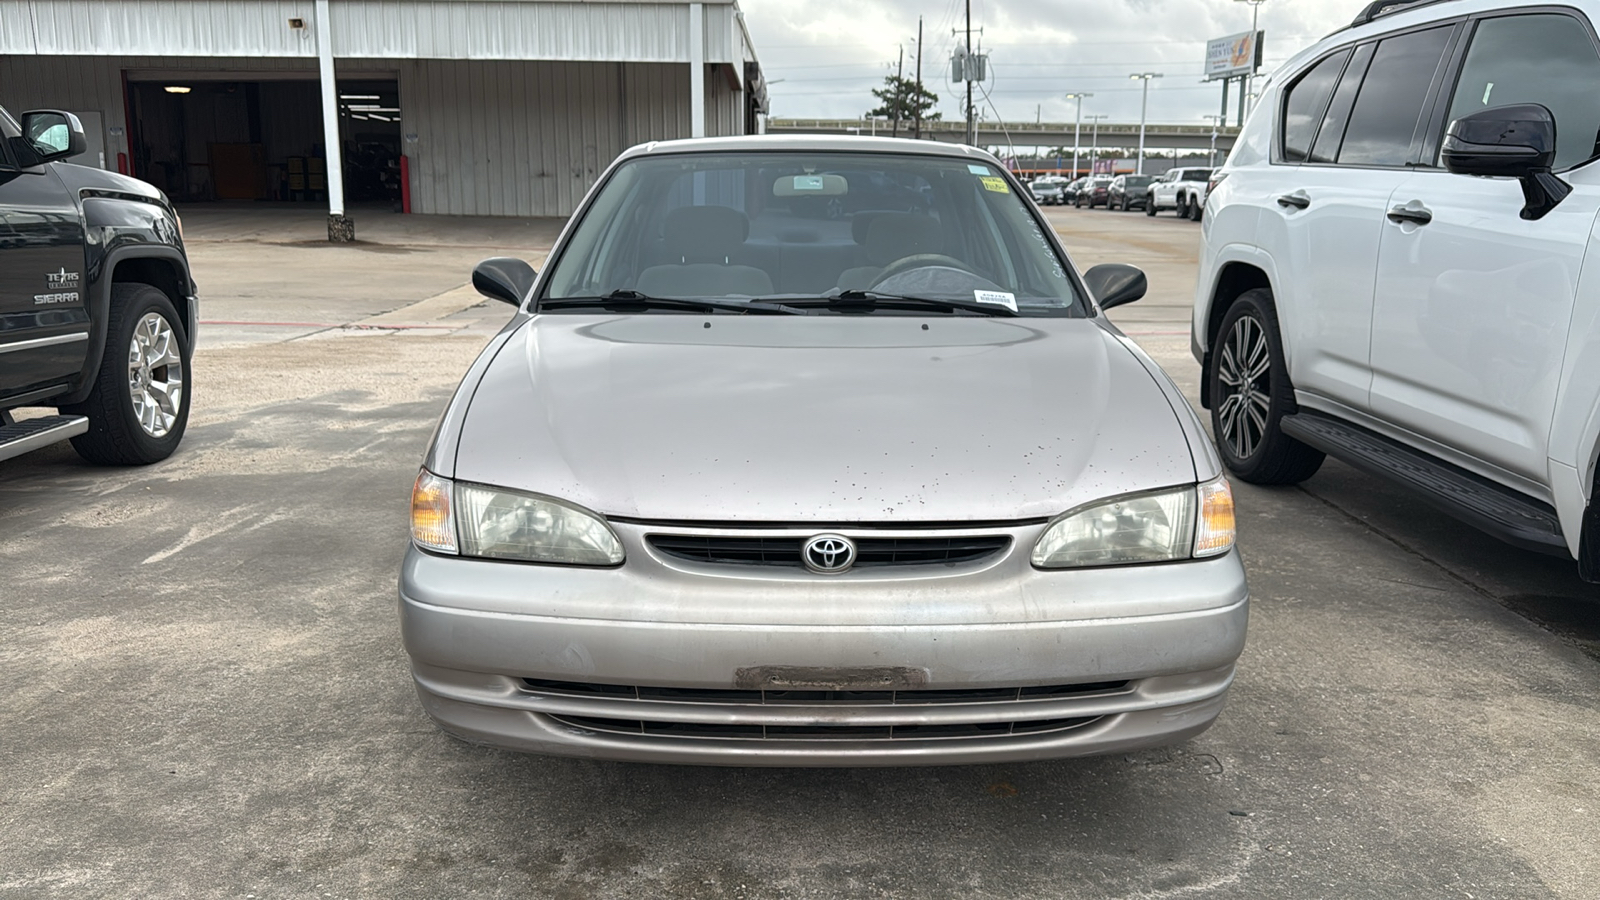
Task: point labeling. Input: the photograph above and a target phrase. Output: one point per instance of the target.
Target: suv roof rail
(1380, 8)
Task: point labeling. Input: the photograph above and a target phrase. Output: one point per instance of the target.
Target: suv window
(1547, 58)
(1387, 109)
(1331, 134)
(1303, 104)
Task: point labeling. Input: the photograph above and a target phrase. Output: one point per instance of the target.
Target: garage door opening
(207, 139)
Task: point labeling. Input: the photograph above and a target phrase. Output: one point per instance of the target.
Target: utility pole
(971, 135)
(1077, 129)
(965, 66)
(1143, 108)
(899, 89)
(1095, 152)
(1247, 80)
(916, 121)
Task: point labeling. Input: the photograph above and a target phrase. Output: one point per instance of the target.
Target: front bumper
(571, 661)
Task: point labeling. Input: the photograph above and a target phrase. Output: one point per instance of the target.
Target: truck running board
(1492, 508)
(17, 438)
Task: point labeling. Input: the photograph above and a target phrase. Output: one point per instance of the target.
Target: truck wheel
(1196, 209)
(139, 406)
(1182, 209)
(1149, 206)
(1250, 394)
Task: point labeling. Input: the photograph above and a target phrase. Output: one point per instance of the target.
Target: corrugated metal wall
(493, 138)
(372, 29)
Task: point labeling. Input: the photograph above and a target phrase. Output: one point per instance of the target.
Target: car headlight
(495, 523)
(1180, 523)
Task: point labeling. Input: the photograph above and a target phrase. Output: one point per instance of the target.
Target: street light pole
(1216, 122)
(1248, 80)
(1144, 107)
(1077, 129)
(1094, 153)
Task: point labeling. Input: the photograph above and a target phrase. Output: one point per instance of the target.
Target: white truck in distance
(1182, 189)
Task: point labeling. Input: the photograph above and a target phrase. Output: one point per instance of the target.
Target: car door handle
(1412, 212)
(1298, 200)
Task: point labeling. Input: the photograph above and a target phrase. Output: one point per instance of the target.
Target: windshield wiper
(881, 300)
(625, 300)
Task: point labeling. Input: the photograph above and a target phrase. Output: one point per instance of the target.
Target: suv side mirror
(1509, 142)
(504, 278)
(1114, 284)
(53, 134)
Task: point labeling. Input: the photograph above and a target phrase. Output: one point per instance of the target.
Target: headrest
(704, 233)
(892, 236)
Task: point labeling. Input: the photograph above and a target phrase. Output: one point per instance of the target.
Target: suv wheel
(1250, 394)
(139, 406)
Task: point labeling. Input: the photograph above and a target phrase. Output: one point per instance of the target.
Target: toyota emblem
(829, 554)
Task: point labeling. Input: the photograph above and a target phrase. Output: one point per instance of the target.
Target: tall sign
(1233, 56)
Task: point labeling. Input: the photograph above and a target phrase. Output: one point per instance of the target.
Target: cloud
(826, 55)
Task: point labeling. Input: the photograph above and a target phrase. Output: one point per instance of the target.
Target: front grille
(726, 731)
(870, 552)
(917, 697)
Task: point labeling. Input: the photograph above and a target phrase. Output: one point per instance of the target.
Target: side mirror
(53, 134)
(1114, 284)
(504, 278)
(1509, 142)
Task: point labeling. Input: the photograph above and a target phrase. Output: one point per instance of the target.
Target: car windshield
(1138, 180)
(811, 231)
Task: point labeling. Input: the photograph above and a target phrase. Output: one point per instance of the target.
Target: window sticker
(995, 183)
(996, 298)
(978, 170)
(808, 182)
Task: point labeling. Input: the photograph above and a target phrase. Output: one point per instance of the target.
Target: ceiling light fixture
(177, 89)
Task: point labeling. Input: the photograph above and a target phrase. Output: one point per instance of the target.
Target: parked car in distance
(1127, 191)
(1047, 190)
(97, 307)
(1182, 189)
(698, 503)
(1396, 268)
(1093, 192)
(1069, 193)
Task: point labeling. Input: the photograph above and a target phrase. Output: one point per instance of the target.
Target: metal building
(489, 107)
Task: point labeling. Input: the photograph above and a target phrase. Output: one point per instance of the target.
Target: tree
(903, 100)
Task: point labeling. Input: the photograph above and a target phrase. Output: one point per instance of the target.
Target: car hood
(820, 419)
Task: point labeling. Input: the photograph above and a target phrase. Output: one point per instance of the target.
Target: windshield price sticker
(996, 298)
(808, 183)
(978, 170)
(995, 183)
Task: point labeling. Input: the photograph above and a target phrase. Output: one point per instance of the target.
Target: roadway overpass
(1026, 134)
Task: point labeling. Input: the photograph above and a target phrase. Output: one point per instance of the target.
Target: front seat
(703, 241)
(888, 237)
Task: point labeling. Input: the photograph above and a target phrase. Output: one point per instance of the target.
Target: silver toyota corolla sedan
(818, 451)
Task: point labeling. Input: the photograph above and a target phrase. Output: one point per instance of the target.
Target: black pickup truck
(97, 306)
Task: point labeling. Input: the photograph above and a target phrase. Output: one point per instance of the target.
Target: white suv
(1362, 294)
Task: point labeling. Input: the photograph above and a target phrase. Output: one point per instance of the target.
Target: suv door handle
(1298, 200)
(1413, 212)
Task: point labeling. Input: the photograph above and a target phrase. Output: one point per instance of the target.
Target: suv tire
(148, 351)
(1248, 383)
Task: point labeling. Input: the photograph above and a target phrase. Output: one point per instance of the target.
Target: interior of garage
(203, 140)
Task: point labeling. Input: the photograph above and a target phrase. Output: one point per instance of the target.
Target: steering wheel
(920, 261)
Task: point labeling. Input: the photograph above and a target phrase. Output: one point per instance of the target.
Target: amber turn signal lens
(432, 525)
(1215, 533)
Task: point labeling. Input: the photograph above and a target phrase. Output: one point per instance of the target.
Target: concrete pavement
(207, 697)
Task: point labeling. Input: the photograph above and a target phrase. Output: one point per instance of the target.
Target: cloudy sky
(827, 54)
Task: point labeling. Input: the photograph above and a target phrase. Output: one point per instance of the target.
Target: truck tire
(1250, 394)
(1196, 209)
(1182, 209)
(138, 408)
(1149, 205)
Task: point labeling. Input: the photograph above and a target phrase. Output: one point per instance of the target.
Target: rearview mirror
(53, 134)
(1114, 284)
(504, 278)
(1509, 142)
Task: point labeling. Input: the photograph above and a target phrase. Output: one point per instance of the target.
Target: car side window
(1331, 134)
(1303, 104)
(1383, 124)
(1546, 58)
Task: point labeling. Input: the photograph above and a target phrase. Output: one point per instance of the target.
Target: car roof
(810, 143)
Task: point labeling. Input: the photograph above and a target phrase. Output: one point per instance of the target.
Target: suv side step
(17, 438)
(1506, 514)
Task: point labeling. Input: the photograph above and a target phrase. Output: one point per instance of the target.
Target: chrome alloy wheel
(1244, 370)
(155, 375)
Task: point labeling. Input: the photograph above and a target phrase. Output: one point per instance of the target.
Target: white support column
(697, 69)
(340, 227)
